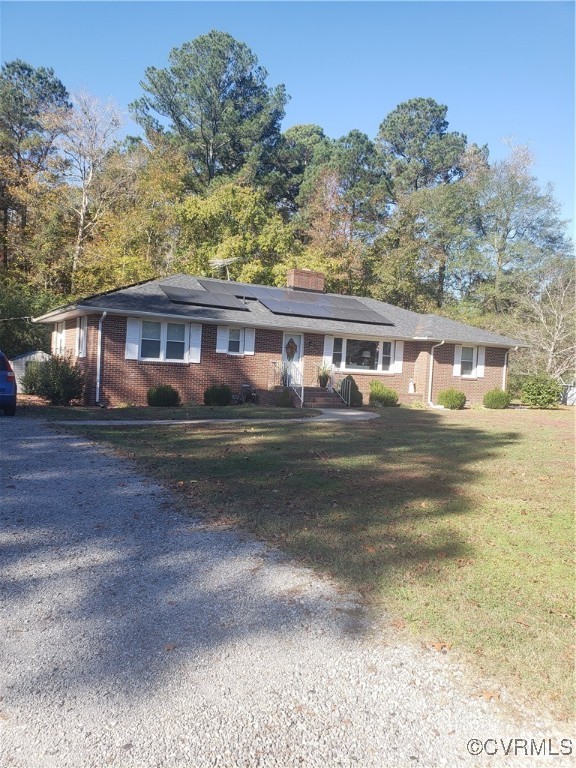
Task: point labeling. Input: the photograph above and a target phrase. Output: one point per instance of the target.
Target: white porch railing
(288, 374)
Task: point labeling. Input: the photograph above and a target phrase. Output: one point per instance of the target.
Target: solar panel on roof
(202, 298)
(225, 288)
(286, 301)
(325, 312)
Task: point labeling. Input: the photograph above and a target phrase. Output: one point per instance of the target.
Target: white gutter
(430, 403)
(99, 356)
(505, 368)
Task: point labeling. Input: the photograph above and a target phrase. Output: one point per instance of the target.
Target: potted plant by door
(324, 373)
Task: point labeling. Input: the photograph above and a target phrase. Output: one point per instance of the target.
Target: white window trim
(163, 342)
(192, 341)
(396, 355)
(81, 334)
(478, 358)
(247, 340)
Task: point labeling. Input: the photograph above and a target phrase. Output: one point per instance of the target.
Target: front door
(292, 352)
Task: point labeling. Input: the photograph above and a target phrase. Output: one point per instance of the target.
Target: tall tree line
(416, 216)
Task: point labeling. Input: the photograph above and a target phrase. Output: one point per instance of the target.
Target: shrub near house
(382, 396)
(452, 399)
(496, 398)
(58, 379)
(541, 392)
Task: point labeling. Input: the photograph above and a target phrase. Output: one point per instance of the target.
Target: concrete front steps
(317, 397)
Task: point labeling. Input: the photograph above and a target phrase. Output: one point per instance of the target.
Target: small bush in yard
(452, 399)
(356, 397)
(284, 399)
(496, 398)
(31, 377)
(382, 396)
(218, 394)
(163, 396)
(58, 380)
(541, 392)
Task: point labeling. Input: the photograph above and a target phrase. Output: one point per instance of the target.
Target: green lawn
(458, 523)
(27, 408)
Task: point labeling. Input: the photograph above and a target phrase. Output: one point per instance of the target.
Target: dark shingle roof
(150, 299)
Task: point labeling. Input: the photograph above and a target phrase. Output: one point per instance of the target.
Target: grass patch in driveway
(459, 523)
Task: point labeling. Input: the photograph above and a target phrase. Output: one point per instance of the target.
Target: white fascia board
(467, 343)
(57, 315)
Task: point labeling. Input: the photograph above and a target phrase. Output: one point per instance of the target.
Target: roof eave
(77, 310)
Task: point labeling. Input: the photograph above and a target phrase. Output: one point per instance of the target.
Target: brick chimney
(305, 280)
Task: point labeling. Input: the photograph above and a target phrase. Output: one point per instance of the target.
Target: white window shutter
(132, 338)
(328, 349)
(78, 337)
(457, 359)
(195, 345)
(249, 341)
(398, 356)
(222, 339)
(480, 362)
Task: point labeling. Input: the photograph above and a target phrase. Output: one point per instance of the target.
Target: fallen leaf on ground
(491, 695)
(441, 646)
(398, 623)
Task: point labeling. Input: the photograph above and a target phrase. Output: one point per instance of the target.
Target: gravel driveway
(134, 636)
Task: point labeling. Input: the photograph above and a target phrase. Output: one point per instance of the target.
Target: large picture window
(363, 355)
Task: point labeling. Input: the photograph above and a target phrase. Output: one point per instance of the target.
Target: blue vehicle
(7, 386)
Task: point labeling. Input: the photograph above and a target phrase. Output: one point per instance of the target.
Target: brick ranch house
(192, 332)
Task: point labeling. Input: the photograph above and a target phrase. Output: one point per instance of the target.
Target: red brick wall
(127, 381)
(474, 388)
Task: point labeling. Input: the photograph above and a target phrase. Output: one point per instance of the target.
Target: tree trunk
(79, 239)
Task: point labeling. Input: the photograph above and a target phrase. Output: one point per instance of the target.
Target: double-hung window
(163, 341)
(151, 340)
(59, 338)
(81, 327)
(175, 341)
(235, 341)
(469, 361)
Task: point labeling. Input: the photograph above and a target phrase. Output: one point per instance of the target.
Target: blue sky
(505, 70)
